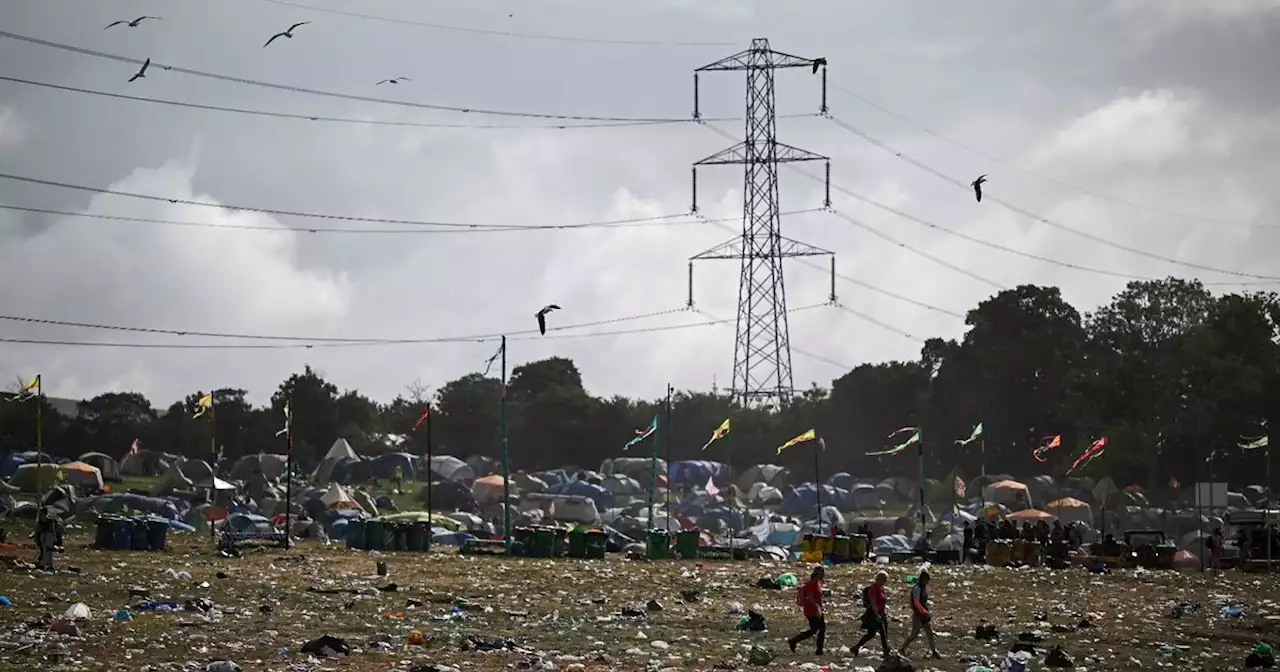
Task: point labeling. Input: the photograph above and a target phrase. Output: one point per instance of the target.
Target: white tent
(337, 497)
(339, 451)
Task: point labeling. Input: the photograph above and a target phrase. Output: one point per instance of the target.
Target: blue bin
(121, 535)
(102, 535)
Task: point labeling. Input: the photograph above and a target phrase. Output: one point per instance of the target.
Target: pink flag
(712, 490)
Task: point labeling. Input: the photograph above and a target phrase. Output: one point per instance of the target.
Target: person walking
(809, 597)
(921, 616)
(875, 617)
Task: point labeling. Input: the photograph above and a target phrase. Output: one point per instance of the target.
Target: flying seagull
(977, 186)
(818, 63)
(134, 23)
(395, 80)
(542, 318)
(287, 33)
(141, 73)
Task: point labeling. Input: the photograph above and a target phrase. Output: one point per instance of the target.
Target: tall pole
(506, 458)
(430, 520)
(653, 469)
(40, 438)
(817, 481)
(920, 482)
(213, 456)
(982, 450)
(288, 473)
(666, 441)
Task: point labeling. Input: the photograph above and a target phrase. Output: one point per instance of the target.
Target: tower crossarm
(787, 247)
(741, 153)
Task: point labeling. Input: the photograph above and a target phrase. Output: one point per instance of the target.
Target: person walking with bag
(921, 616)
(875, 619)
(809, 597)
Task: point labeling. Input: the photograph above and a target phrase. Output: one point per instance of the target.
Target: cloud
(1148, 128)
(163, 277)
(11, 128)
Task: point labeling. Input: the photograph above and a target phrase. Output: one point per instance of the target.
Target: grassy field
(566, 614)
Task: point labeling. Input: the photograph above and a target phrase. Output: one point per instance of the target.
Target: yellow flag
(807, 436)
(28, 390)
(718, 434)
(203, 404)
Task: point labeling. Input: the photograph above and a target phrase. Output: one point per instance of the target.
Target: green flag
(642, 434)
(1260, 443)
(973, 436)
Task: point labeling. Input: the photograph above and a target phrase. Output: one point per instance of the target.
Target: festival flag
(807, 436)
(422, 417)
(28, 390)
(973, 436)
(488, 363)
(288, 420)
(203, 405)
(1094, 450)
(911, 441)
(720, 433)
(134, 447)
(712, 490)
(642, 434)
(1260, 443)
(1047, 444)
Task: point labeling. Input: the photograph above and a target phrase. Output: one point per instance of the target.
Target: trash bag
(327, 645)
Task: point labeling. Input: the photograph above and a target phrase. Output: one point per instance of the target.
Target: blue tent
(804, 499)
(696, 472)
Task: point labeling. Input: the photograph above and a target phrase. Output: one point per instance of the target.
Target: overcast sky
(1155, 123)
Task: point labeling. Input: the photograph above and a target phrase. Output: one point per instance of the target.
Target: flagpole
(40, 437)
(817, 477)
(213, 455)
(920, 479)
(653, 468)
(982, 448)
(288, 473)
(666, 505)
(506, 459)
(430, 520)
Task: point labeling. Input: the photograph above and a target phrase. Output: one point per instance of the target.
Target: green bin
(687, 542)
(374, 535)
(659, 547)
(578, 542)
(522, 541)
(102, 536)
(597, 544)
(399, 537)
(355, 534)
(561, 544)
(544, 542)
(843, 549)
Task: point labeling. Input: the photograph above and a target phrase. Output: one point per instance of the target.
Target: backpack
(866, 597)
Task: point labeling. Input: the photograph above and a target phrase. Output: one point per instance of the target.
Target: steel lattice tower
(762, 348)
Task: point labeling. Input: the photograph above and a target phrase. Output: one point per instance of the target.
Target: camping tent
(34, 477)
(339, 451)
(1071, 510)
(144, 463)
(106, 464)
(450, 468)
(83, 475)
(270, 465)
(1007, 492)
(487, 490)
(1029, 516)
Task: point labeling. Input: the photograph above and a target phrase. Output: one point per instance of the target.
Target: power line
(313, 215)
(501, 33)
(661, 220)
(1043, 176)
(883, 325)
(522, 336)
(333, 94)
(820, 358)
(324, 339)
(1040, 218)
(852, 280)
(346, 120)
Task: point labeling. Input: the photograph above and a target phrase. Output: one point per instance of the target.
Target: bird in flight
(142, 72)
(132, 24)
(542, 318)
(818, 63)
(287, 33)
(394, 80)
(977, 186)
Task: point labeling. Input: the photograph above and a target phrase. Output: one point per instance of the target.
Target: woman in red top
(875, 620)
(809, 597)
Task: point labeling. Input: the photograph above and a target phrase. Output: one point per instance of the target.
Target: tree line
(1174, 376)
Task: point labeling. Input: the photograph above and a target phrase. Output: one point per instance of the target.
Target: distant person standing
(966, 546)
(1216, 543)
(399, 478)
(47, 536)
(921, 617)
(809, 597)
